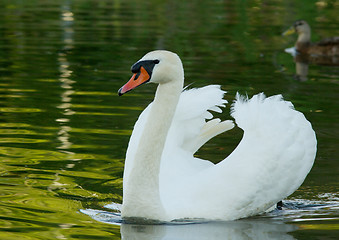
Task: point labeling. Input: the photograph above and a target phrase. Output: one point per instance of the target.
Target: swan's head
(300, 27)
(158, 67)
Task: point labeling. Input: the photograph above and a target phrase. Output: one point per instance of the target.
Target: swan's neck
(141, 196)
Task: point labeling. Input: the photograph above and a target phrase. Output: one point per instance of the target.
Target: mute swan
(162, 179)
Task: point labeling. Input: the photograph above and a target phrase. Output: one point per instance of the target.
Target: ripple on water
(296, 210)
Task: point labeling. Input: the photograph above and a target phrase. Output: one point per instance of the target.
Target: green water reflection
(64, 130)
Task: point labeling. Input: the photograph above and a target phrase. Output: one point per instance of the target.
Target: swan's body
(162, 179)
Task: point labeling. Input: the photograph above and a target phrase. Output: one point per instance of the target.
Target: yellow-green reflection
(20, 110)
(64, 131)
(21, 140)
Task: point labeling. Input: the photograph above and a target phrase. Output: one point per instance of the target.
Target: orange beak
(136, 80)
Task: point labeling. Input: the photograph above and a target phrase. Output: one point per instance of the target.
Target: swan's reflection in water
(251, 228)
(276, 224)
(241, 229)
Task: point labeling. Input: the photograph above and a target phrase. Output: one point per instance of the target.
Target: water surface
(64, 130)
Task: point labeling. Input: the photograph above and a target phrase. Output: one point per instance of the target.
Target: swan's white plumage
(272, 160)
(189, 121)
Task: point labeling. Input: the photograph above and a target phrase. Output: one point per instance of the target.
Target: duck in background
(328, 47)
(324, 52)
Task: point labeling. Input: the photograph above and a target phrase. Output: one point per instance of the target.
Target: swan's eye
(156, 61)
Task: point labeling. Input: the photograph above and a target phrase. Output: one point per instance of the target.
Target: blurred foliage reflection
(64, 130)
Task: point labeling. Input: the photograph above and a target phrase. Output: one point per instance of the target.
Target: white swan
(163, 181)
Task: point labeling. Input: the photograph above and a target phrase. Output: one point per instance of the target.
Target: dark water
(64, 130)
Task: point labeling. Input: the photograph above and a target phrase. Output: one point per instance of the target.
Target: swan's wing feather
(278, 141)
(195, 102)
(191, 128)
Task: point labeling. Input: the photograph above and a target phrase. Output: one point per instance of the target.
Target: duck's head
(300, 27)
(158, 66)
